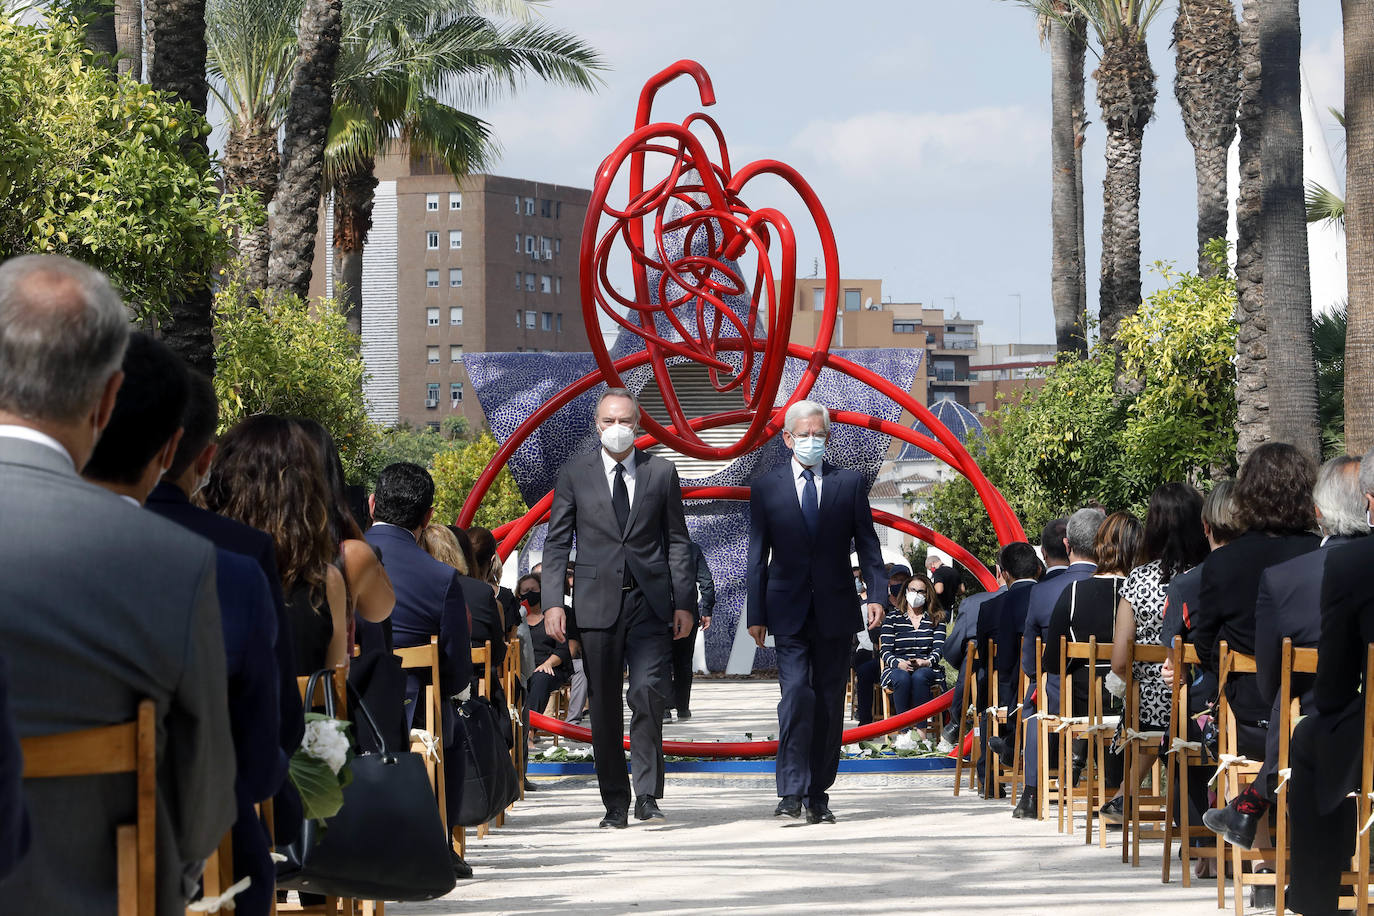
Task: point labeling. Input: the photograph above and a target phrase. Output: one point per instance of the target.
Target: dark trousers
(643, 641)
(1323, 841)
(912, 688)
(683, 650)
(253, 860)
(865, 681)
(812, 673)
(542, 687)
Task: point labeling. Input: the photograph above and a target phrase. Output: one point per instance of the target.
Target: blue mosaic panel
(957, 418)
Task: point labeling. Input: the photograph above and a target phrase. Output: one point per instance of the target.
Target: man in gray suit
(635, 591)
(101, 605)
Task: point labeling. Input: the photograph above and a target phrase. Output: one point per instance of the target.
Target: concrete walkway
(902, 844)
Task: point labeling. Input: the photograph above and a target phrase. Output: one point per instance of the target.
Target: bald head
(63, 331)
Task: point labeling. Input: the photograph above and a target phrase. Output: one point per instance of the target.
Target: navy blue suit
(14, 814)
(1002, 621)
(964, 628)
(1044, 595)
(801, 587)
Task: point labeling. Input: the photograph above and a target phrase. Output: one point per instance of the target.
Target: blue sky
(922, 126)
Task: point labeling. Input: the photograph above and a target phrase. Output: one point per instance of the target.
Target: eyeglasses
(918, 591)
(806, 435)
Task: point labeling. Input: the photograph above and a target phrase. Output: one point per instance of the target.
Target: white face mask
(915, 599)
(617, 438)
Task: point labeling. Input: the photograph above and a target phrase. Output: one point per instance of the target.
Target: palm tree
(398, 56)
(1126, 93)
(1068, 268)
(1252, 369)
(1358, 27)
(1206, 84)
(1328, 359)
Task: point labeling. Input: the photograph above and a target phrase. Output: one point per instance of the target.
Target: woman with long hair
(911, 645)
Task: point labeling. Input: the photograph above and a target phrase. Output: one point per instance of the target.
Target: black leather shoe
(819, 814)
(951, 732)
(683, 714)
(530, 787)
(461, 869)
(1003, 749)
(789, 805)
(1237, 828)
(1028, 806)
(646, 807)
(615, 817)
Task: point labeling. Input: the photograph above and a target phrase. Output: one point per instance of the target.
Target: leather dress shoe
(1028, 805)
(1237, 828)
(615, 817)
(819, 813)
(1003, 749)
(789, 805)
(461, 869)
(684, 714)
(646, 807)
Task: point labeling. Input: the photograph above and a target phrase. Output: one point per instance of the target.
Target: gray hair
(803, 409)
(1219, 512)
(63, 331)
(1367, 472)
(1081, 531)
(1339, 498)
(617, 393)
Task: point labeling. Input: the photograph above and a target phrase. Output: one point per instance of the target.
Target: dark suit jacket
(790, 572)
(486, 617)
(429, 602)
(1040, 608)
(168, 501)
(965, 626)
(1289, 605)
(653, 548)
(14, 814)
(706, 583)
(1002, 620)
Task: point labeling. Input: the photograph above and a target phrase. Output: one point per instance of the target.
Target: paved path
(902, 844)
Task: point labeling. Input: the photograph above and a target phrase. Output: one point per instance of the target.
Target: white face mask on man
(617, 438)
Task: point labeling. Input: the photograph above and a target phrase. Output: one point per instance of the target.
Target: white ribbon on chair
(429, 741)
(1369, 823)
(1070, 722)
(1133, 735)
(223, 901)
(1181, 745)
(1285, 774)
(1225, 762)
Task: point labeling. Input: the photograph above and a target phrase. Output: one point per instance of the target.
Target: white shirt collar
(1083, 563)
(130, 500)
(798, 467)
(397, 527)
(609, 463)
(28, 434)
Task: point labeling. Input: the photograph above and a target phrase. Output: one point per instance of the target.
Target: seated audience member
(1066, 545)
(485, 617)
(138, 445)
(268, 474)
(1289, 605)
(1001, 625)
(14, 813)
(553, 663)
(1326, 748)
(912, 643)
(865, 663)
(135, 618)
(429, 602)
(1220, 525)
(964, 628)
(488, 567)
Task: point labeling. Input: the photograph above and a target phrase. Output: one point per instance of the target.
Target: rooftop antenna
(815, 267)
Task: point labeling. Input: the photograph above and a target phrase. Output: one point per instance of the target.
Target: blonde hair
(441, 544)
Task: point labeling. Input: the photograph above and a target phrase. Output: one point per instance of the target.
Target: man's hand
(555, 623)
(547, 667)
(760, 633)
(875, 615)
(682, 623)
(705, 622)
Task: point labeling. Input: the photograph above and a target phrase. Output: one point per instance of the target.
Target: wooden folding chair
(1183, 754)
(1234, 773)
(1146, 805)
(1050, 776)
(130, 747)
(427, 657)
(1089, 794)
(1291, 661)
(883, 702)
(970, 698)
(1361, 900)
(510, 677)
(482, 657)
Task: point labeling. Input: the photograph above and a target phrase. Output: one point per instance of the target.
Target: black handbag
(490, 783)
(387, 842)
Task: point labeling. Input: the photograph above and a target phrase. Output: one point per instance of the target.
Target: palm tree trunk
(296, 220)
(1252, 366)
(1066, 205)
(128, 29)
(1126, 92)
(1358, 21)
(100, 31)
(354, 191)
(1287, 280)
(251, 161)
(176, 31)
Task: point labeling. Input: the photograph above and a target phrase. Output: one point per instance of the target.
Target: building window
(432, 279)
(545, 284)
(455, 315)
(529, 320)
(455, 353)
(529, 206)
(518, 278)
(818, 298)
(432, 317)
(455, 238)
(455, 277)
(431, 202)
(905, 327)
(546, 321)
(529, 244)
(517, 206)
(546, 208)
(558, 284)
(557, 246)
(517, 240)
(432, 395)
(557, 209)
(432, 241)
(432, 355)
(519, 319)
(852, 301)
(529, 283)
(558, 322)
(455, 393)
(455, 200)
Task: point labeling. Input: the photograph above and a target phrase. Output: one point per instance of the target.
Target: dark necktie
(811, 510)
(620, 496)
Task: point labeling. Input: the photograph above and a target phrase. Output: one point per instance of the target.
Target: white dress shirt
(14, 431)
(609, 464)
(800, 481)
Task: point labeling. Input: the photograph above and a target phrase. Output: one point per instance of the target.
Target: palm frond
(1106, 19)
(251, 47)
(1324, 205)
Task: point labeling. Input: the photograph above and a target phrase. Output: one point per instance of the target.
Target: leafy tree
(105, 170)
(277, 353)
(455, 473)
(409, 444)
(1328, 354)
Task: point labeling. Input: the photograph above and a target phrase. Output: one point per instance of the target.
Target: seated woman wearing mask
(553, 663)
(911, 646)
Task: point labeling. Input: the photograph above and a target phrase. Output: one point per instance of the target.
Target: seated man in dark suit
(14, 814)
(429, 602)
(964, 628)
(1327, 745)
(1002, 623)
(138, 445)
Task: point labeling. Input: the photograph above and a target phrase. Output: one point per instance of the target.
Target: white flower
(325, 741)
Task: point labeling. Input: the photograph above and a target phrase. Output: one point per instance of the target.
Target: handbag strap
(366, 715)
(331, 709)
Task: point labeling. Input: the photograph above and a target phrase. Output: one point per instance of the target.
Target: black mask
(532, 597)
(894, 590)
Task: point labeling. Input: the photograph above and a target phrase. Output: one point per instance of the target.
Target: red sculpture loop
(701, 199)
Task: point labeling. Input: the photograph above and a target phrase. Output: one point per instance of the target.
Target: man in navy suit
(14, 814)
(803, 517)
(429, 602)
(1066, 540)
(1289, 605)
(1002, 623)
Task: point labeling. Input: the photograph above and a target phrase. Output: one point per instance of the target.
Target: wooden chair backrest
(130, 747)
(340, 683)
(1229, 663)
(482, 657)
(1291, 661)
(1092, 653)
(427, 656)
